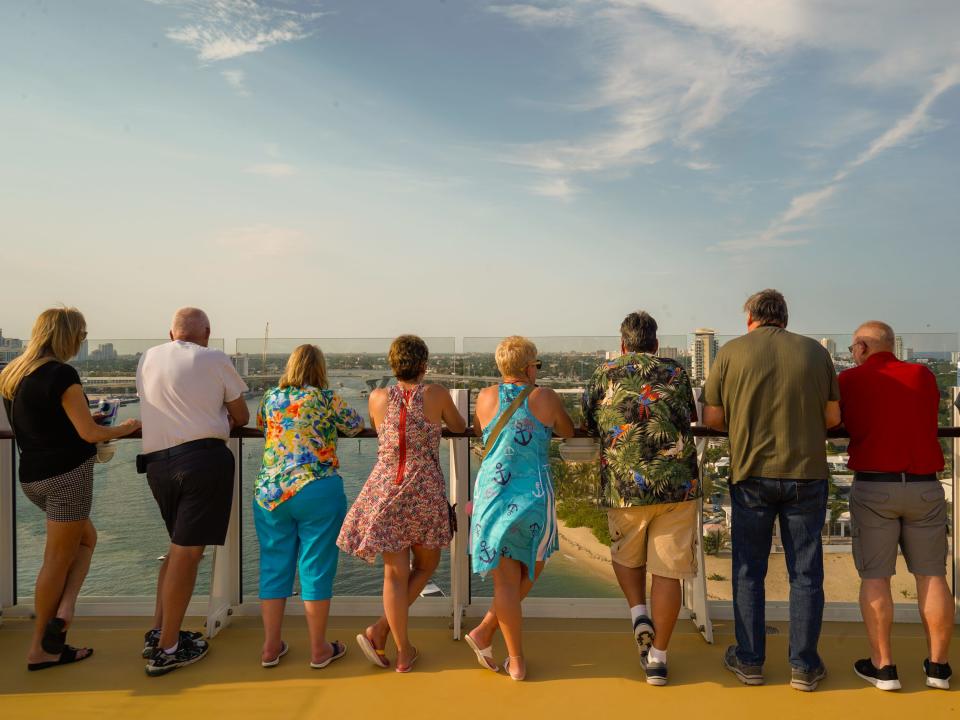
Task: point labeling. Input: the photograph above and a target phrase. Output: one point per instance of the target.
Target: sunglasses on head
(537, 364)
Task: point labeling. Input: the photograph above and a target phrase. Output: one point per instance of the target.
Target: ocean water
(132, 537)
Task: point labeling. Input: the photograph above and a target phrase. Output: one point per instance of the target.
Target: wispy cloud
(560, 188)
(236, 79)
(699, 166)
(261, 241)
(274, 170)
(223, 29)
(806, 204)
(668, 73)
(534, 15)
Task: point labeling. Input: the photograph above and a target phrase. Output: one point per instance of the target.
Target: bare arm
(562, 423)
(714, 417)
(377, 407)
(451, 415)
(238, 411)
(831, 414)
(75, 406)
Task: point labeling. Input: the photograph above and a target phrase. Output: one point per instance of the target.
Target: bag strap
(13, 431)
(504, 419)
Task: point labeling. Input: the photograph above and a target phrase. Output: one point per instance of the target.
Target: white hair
(190, 324)
(876, 333)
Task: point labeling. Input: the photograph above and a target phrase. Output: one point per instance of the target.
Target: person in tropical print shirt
(641, 406)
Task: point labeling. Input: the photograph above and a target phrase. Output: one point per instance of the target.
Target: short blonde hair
(306, 366)
(408, 357)
(514, 354)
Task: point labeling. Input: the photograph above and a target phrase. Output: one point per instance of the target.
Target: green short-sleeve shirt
(773, 386)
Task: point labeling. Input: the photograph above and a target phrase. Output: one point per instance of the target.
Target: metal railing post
(459, 495)
(695, 589)
(955, 528)
(8, 522)
(225, 570)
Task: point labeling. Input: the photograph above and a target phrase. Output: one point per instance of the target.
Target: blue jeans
(801, 508)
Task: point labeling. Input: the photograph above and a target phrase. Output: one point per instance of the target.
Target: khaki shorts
(661, 537)
(885, 515)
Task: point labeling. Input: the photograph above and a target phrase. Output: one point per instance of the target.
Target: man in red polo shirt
(890, 409)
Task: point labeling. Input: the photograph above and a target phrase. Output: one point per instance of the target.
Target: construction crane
(263, 357)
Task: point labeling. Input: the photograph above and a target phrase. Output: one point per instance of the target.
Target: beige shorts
(661, 537)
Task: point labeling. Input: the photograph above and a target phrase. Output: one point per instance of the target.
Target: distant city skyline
(362, 169)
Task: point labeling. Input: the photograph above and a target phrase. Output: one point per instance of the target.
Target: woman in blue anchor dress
(514, 524)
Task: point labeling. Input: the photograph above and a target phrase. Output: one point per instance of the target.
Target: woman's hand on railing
(130, 425)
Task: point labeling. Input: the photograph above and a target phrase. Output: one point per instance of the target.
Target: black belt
(894, 477)
(176, 450)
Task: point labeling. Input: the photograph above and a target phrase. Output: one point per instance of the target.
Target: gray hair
(190, 324)
(876, 334)
(767, 307)
(638, 331)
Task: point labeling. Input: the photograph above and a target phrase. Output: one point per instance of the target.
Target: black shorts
(194, 491)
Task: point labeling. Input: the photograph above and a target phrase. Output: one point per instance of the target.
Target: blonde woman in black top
(57, 439)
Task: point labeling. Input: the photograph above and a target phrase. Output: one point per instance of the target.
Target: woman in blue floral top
(299, 503)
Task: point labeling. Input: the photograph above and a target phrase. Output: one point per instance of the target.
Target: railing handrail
(945, 431)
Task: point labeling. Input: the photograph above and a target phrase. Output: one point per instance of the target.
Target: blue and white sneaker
(656, 671)
(644, 634)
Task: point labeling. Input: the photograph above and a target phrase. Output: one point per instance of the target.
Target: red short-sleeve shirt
(891, 409)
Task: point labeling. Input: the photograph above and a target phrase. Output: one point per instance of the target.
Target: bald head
(878, 336)
(190, 324)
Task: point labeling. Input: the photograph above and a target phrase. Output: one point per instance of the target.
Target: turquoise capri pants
(301, 534)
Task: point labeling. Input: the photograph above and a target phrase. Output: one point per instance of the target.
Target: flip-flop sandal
(69, 655)
(373, 654)
(409, 666)
(339, 650)
(484, 655)
(506, 668)
(284, 649)
(54, 636)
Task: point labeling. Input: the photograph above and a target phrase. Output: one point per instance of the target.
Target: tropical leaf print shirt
(641, 406)
(300, 426)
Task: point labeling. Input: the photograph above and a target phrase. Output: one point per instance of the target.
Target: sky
(360, 168)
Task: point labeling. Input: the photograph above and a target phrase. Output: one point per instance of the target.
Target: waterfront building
(830, 345)
(9, 348)
(898, 348)
(703, 352)
(241, 363)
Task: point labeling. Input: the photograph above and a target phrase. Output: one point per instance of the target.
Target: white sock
(659, 656)
(172, 650)
(637, 611)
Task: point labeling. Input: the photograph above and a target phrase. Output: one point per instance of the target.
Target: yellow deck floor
(577, 669)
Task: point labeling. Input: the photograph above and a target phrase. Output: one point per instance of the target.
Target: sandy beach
(841, 582)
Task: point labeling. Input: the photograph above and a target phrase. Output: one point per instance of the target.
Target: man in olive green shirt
(776, 393)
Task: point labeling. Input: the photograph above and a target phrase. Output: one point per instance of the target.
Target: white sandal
(506, 667)
(484, 655)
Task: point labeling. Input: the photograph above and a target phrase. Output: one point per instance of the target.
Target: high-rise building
(703, 352)
(9, 348)
(898, 348)
(241, 363)
(83, 354)
(830, 345)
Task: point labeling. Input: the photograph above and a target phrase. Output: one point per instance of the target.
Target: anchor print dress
(514, 508)
(404, 501)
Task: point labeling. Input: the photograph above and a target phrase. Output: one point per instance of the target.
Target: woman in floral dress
(402, 509)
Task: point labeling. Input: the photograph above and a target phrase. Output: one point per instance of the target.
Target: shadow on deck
(577, 669)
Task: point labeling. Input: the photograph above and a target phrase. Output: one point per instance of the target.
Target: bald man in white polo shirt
(190, 398)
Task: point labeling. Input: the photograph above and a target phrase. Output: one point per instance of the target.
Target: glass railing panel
(131, 535)
(355, 367)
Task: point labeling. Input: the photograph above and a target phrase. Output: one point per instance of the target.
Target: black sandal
(54, 638)
(68, 656)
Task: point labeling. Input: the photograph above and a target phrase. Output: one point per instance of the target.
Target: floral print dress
(404, 501)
